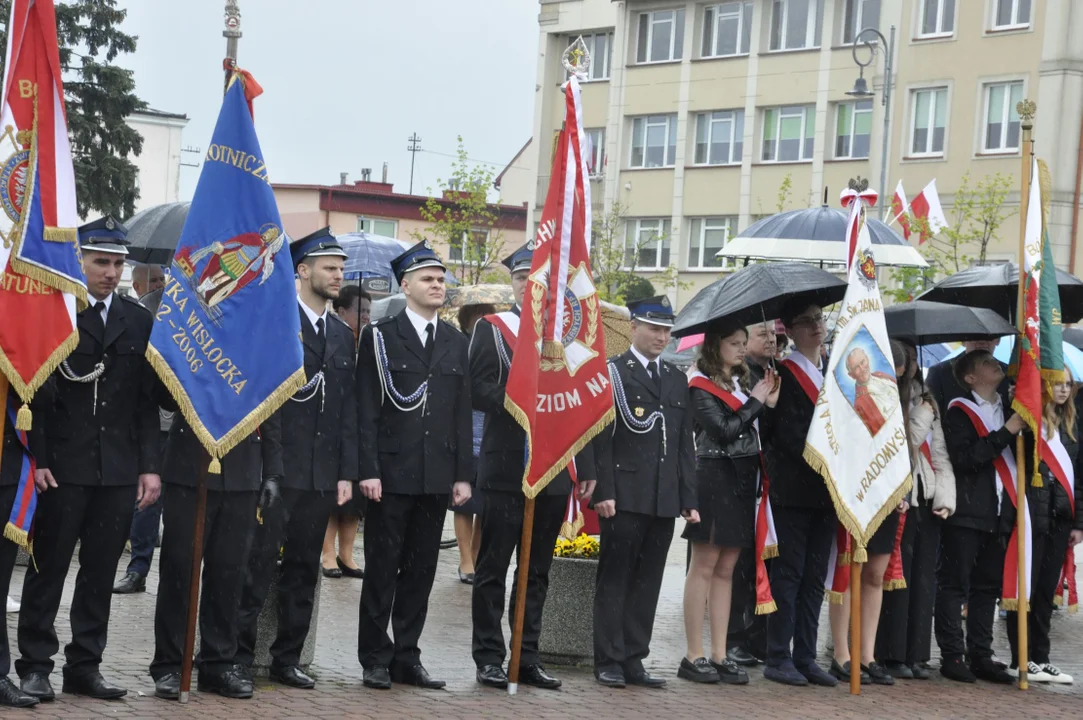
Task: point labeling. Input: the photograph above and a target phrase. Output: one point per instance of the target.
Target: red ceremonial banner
(558, 384)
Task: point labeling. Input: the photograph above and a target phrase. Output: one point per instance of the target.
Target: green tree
(99, 96)
(465, 220)
(615, 255)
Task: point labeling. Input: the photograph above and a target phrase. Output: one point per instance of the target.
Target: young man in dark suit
(500, 475)
(416, 447)
(97, 456)
(320, 462)
(944, 386)
(646, 478)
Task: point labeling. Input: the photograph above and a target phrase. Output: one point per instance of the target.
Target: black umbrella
(996, 287)
(922, 323)
(755, 293)
(153, 233)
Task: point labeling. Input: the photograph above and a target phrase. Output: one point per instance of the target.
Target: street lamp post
(861, 90)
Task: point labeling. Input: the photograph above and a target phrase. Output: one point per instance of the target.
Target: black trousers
(904, 634)
(747, 630)
(969, 573)
(402, 546)
(98, 518)
(8, 550)
(1049, 550)
(630, 569)
(227, 536)
(501, 532)
(797, 583)
(296, 525)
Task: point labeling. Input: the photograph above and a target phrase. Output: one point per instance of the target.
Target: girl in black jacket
(1056, 525)
(727, 477)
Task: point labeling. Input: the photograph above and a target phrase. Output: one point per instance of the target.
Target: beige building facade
(699, 112)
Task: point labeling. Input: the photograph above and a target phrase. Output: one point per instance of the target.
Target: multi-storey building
(700, 112)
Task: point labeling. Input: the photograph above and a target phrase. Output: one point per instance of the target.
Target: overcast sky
(347, 81)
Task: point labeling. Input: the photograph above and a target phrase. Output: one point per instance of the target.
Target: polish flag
(927, 207)
(899, 210)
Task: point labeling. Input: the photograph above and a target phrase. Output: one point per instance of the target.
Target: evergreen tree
(99, 96)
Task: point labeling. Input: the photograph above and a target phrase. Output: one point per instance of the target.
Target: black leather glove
(269, 496)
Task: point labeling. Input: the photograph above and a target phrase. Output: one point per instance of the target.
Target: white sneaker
(14, 605)
(1055, 675)
(1035, 673)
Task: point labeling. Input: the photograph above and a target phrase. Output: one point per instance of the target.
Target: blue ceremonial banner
(226, 338)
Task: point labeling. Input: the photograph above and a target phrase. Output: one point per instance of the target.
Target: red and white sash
(766, 537)
(1056, 458)
(808, 375)
(894, 579)
(1006, 479)
(508, 324)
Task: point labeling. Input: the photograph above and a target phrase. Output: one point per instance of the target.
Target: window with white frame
(1011, 14)
(719, 137)
(596, 151)
(706, 238)
(853, 126)
(654, 141)
(788, 133)
(928, 121)
(796, 24)
(661, 36)
(1001, 117)
(937, 18)
(600, 47)
(377, 226)
(646, 244)
(727, 29)
(477, 239)
(858, 15)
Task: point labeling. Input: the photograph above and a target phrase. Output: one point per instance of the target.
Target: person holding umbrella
(803, 512)
(728, 475)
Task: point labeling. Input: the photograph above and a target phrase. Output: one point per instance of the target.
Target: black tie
(430, 331)
(319, 328)
(96, 318)
(652, 370)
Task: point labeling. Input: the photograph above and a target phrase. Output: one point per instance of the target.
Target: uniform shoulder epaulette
(382, 321)
(132, 301)
(335, 316)
(445, 324)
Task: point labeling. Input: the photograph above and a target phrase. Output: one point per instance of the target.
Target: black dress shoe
(377, 677)
(492, 676)
(989, 670)
(899, 671)
(293, 676)
(132, 582)
(36, 684)
(466, 578)
(331, 572)
(349, 571)
(231, 684)
(610, 677)
(167, 687)
(11, 696)
(699, 670)
(742, 657)
(642, 678)
(954, 668)
(729, 673)
(536, 676)
(842, 672)
(878, 673)
(417, 676)
(92, 685)
(919, 671)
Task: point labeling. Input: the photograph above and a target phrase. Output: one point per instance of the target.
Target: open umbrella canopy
(369, 255)
(933, 354)
(1073, 336)
(922, 322)
(491, 294)
(755, 293)
(817, 235)
(153, 233)
(995, 287)
(1073, 356)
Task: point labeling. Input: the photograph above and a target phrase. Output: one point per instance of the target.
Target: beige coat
(937, 479)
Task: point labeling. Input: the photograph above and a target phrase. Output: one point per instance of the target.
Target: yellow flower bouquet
(583, 547)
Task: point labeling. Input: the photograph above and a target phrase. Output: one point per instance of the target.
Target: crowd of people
(404, 417)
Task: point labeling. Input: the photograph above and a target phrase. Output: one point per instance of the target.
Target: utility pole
(414, 148)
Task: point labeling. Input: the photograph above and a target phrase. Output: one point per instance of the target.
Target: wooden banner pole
(193, 581)
(855, 623)
(520, 596)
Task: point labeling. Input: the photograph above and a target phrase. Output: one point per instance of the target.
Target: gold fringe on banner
(17, 535)
(570, 530)
(819, 464)
(835, 598)
(26, 390)
(844, 559)
(552, 350)
(766, 608)
(58, 234)
(896, 584)
(1012, 605)
(24, 418)
(769, 552)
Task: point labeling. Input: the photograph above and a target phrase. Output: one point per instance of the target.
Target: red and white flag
(41, 275)
(900, 210)
(558, 384)
(925, 207)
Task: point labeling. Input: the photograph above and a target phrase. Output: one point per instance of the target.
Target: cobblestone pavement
(446, 653)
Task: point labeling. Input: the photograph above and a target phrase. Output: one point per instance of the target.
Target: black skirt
(882, 541)
(727, 502)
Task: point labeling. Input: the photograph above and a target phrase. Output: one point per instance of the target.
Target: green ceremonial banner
(1051, 333)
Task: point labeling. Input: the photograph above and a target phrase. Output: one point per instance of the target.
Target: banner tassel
(24, 418)
(215, 468)
(860, 555)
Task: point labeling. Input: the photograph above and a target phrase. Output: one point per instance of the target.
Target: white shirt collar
(982, 402)
(643, 358)
(313, 317)
(108, 300)
(419, 324)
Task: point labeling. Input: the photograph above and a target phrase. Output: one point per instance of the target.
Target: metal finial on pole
(232, 34)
